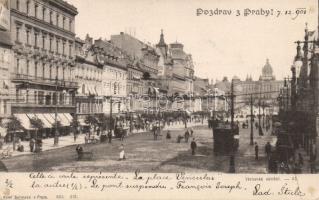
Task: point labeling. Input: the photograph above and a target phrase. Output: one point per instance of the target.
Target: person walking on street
(193, 146)
(186, 136)
(256, 151)
(168, 135)
(122, 152)
(109, 135)
(192, 132)
(31, 144)
(268, 150)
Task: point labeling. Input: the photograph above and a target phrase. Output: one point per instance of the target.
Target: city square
(82, 91)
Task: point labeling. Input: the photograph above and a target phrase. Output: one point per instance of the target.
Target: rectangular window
(70, 49)
(63, 23)
(28, 7)
(63, 48)
(28, 36)
(35, 69)
(41, 97)
(36, 10)
(51, 14)
(43, 69)
(18, 65)
(4, 107)
(36, 39)
(28, 67)
(50, 44)
(27, 96)
(57, 46)
(43, 42)
(70, 25)
(18, 4)
(35, 97)
(57, 19)
(43, 13)
(50, 72)
(18, 34)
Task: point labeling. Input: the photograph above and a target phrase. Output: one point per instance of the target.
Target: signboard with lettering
(4, 15)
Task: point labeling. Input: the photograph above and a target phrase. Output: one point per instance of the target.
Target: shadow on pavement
(204, 159)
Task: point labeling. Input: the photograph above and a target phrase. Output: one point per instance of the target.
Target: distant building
(176, 68)
(266, 89)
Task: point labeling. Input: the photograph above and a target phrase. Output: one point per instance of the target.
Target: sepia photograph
(159, 86)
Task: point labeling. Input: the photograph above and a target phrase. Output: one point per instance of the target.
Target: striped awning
(46, 123)
(24, 120)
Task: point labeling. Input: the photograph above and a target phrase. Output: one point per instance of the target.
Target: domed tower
(267, 72)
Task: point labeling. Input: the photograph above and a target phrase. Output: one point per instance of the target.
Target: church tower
(162, 45)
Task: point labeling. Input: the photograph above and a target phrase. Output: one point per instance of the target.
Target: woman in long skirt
(122, 152)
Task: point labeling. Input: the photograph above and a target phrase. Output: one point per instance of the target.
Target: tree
(74, 124)
(92, 121)
(12, 127)
(37, 124)
(104, 121)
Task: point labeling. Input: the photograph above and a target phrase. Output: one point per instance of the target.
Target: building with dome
(266, 89)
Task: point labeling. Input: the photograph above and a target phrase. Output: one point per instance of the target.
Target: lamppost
(56, 134)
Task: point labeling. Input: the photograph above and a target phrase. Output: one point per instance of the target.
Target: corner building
(43, 35)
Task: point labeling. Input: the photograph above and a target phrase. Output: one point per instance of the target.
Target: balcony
(22, 78)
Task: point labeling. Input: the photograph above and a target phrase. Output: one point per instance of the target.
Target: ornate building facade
(176, 67)
(43, 35)
(266, 89)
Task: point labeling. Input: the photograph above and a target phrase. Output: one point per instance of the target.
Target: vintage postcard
(159, 99)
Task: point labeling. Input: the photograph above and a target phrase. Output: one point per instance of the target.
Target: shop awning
(82, 122)
(58, 119)
(49, 118)
(24, 120)
(46, 123)
(68, 116)
(3, 131)
(64, 120)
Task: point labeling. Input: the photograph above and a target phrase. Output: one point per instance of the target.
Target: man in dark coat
(268, 149)
(256, 151)
(186, 136)
(193, 146)
(109, 135)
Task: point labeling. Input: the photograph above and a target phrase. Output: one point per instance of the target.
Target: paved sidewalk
(48, 144)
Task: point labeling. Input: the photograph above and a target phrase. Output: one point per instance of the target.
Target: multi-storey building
(176, 67)
(264, 91)
(6, 60)
(44, 40)
(114, 76)
(88, 74)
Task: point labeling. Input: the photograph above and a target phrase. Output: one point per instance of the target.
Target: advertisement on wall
(4, 15)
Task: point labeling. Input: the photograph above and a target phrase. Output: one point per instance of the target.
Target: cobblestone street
(145, 154)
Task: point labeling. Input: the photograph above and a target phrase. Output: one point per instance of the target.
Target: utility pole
(111, 120)
(259, 116)
(251, 121)
(56, 134)
(232, 106)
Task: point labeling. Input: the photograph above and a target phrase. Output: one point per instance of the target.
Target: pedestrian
(268, 149)
(168, 135)
(109, 135)
(186, 136)
(31, 144)
(256, 151)
(74, 136)
(300, 159)
(122, 152)
(193, 146)
(192, 132)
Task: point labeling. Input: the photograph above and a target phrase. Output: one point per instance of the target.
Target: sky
(221, 45)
